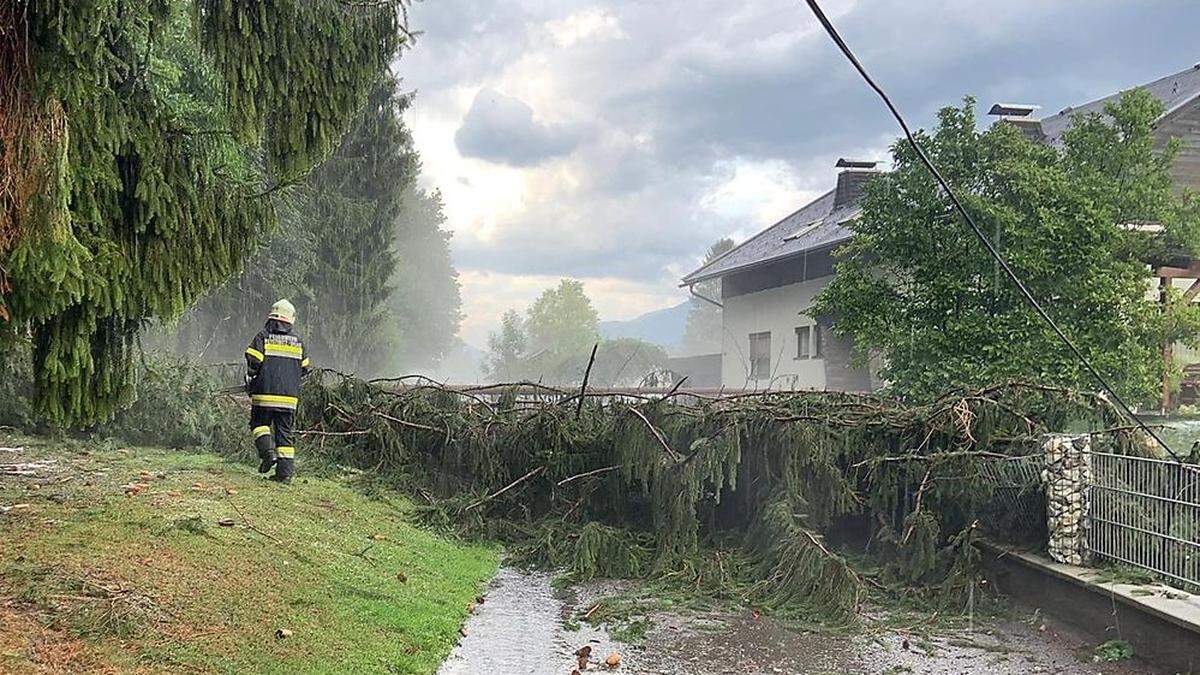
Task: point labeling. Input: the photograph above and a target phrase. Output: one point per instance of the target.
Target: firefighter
(275, 363)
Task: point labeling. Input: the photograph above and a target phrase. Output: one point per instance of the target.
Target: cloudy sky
(613, 140)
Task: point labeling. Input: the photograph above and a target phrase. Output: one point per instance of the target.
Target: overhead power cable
(987, 244)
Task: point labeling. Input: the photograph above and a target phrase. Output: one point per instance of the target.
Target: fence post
(1066, 475)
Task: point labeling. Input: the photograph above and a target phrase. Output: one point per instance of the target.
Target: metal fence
(1016, 512)
(1145, 513)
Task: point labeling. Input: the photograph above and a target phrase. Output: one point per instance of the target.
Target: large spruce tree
(425, 307)
(144, 144)
(355, 200)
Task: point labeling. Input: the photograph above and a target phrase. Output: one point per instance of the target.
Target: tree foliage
(551, 343)
(916, 287)
(152, 136)
(702, 333)
(351, 216)
(563, 320)
(362, 253)
(729, 496)
(425, 306)
(507, 348)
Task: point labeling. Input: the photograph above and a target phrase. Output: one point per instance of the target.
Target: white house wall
(776, 310)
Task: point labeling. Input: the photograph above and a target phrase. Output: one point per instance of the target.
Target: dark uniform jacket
(275, 362)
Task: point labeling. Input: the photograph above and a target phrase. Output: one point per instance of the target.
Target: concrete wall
(1163, 625)
(778, 311)
(701, 370)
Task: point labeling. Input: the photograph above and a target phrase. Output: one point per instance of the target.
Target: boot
(285, 467)
(265, 446)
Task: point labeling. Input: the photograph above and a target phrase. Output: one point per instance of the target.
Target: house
(1180, 96)
(770, 280)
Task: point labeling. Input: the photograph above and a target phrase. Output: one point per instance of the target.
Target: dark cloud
(501, 129)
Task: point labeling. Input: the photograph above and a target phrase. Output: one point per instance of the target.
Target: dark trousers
(275, 437)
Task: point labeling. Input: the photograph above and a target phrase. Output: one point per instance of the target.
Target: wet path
(519, 630)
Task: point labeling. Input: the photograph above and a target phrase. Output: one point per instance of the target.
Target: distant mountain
(662, 326)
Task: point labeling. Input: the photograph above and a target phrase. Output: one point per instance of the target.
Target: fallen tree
(734, 496)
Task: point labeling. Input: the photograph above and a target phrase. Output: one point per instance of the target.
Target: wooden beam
(1192, 271)
(1192, 290)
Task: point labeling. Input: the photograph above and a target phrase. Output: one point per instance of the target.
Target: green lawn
(92, 579)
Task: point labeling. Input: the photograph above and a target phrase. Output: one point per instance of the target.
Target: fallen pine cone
(582, 661)
(576, 672)
(479, 599)
(612, 660)
(225, 522)
(411, 649)
(585, 650)
(402, 577)
(282, 633)
(462, 630)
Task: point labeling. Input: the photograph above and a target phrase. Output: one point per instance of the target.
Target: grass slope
(94, 580)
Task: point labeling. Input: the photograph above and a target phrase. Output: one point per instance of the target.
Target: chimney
(1020, 115)
(853, 176)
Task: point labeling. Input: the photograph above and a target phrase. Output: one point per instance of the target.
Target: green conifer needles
(157, 133)
(732, 496)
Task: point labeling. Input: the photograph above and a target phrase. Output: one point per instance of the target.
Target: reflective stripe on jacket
(275, 363)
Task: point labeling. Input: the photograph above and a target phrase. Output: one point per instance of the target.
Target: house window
(808, 342)
(760, 355)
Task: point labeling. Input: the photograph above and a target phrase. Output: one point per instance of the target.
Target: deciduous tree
(507, 349)
(916, 287)
(562, 320)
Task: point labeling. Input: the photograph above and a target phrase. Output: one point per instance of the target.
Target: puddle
(519, 630)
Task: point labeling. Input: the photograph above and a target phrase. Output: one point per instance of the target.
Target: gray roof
(1173, 90)
(822, 227)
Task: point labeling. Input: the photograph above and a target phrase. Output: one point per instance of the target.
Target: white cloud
(757, 192)
(592, 24)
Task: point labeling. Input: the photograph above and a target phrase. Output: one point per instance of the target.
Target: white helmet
(283, 311)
